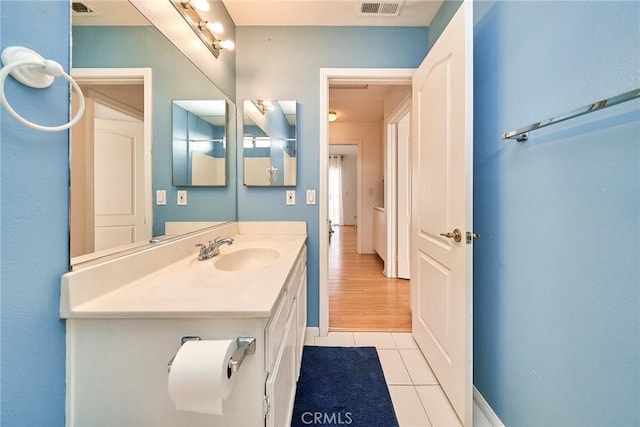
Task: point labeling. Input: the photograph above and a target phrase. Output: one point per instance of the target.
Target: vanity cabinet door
(274, 333)
(281, 382)
(301, 320)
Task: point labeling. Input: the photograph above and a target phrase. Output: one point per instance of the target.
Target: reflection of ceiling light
(333, 116)
(263, 105)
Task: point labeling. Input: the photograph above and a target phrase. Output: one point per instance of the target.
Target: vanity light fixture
(263, 105)
(204, 29)
(333, 116)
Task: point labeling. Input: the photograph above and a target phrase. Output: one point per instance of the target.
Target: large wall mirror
(269, 143)
(123, 192)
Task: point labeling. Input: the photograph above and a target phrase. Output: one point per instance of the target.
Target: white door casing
(404, 198)
(442, 152)
(394, 166)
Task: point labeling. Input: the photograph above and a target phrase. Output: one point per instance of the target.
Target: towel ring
(31, 69)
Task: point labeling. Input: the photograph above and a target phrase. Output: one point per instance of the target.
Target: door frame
(387, 76)
(121, 76)
(391, 184)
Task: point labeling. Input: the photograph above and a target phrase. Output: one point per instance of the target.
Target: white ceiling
(413, 13)
(361, 105)
(109, 12)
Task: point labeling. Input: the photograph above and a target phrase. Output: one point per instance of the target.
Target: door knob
(472, 236)
(456, 235)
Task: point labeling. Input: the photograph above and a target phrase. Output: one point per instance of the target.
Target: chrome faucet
(207, 252)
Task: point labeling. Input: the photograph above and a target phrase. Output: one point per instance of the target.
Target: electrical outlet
(311, 197)
(291, 197)
(182, 197)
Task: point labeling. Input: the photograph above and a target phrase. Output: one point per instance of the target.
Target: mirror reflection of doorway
(110, 165)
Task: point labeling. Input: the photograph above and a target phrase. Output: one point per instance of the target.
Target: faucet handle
(204, 254)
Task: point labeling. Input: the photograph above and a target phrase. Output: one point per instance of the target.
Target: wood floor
(361, 298)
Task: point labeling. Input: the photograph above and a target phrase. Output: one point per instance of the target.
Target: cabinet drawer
(274, 332)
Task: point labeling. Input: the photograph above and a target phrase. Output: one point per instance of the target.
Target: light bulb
(333, 116)
(202, 5)
(215, 27)
(226, 44)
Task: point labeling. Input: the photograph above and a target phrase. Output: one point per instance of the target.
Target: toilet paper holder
(244, 346)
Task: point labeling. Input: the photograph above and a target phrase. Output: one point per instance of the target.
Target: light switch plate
(182, 197)
(291, 197)
(311, 197)
(161, 197)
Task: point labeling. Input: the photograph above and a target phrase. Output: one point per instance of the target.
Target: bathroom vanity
(126, 318)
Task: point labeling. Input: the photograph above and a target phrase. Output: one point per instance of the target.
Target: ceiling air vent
(391, 8)
(80, 8)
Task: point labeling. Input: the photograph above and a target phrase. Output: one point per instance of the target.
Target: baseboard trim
(486, 409)
(313, 331)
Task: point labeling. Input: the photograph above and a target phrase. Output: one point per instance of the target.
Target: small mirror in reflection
(199, 143)
(269, 143)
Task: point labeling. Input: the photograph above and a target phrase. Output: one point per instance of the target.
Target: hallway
(361, 298)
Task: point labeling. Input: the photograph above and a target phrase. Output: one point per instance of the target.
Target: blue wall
(556, 275)
(34, 171)
(284, 63)
(146, 47)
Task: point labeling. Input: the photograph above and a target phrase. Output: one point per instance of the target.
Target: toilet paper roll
(198, 379)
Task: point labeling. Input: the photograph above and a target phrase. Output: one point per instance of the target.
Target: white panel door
(119, 183)
(404, 198)
(441, 267)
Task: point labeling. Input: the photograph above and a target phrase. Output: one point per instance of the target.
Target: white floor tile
(394, 370)
(404, 340)
(437, 405)
(336, 339)
(374, 339)
(419, 370)
(409, 410)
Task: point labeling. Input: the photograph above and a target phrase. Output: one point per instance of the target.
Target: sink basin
(246, 259)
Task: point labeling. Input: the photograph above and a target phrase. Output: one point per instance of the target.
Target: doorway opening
(364, 265)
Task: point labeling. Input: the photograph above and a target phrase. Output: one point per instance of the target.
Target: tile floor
(417, 397)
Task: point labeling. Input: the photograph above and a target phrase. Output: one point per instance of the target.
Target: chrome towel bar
(522, 134)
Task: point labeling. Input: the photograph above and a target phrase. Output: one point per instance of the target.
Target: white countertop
(189, 288)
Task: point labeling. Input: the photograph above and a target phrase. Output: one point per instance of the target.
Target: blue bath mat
(342, 386)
